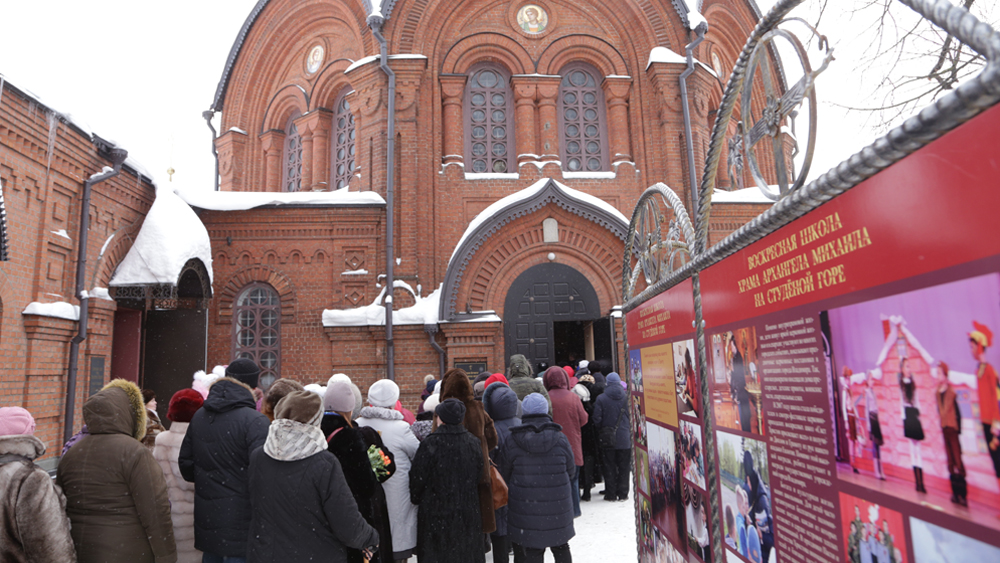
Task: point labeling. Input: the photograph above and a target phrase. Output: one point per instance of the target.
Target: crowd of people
(494, 463)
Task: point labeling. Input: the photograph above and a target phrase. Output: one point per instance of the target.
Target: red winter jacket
(567, 409)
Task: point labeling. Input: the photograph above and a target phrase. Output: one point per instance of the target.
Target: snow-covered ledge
(58, 310)
(171, 235)
(423, 312)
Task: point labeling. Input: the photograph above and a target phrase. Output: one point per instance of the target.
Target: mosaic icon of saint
(533, 19)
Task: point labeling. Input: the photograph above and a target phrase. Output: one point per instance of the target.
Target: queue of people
(312, 473)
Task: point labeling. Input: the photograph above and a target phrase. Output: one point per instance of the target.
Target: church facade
(524, 134)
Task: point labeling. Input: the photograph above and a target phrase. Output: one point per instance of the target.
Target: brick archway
(590, 239)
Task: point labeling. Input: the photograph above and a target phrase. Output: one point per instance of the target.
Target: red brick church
(524, 134)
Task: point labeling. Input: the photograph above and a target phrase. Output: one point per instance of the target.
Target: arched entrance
(552, 314)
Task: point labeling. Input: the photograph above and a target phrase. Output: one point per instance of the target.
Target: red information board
(851, 365)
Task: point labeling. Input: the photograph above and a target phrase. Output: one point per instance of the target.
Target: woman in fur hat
(351, 444)
(33, 523)
(399, 438)
(153, 424)
(182, 407)
(302, 508)
(115, 492)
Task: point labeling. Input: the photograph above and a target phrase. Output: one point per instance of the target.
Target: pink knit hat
(15, 421)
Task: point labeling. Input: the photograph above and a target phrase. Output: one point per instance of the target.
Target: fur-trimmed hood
(24, 445)
(381, 412)
(519, 367)
(226, 394)
(116, 409)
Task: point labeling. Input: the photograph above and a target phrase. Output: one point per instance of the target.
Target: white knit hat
(383, 393)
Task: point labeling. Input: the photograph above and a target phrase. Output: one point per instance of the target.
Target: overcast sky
(141, 73)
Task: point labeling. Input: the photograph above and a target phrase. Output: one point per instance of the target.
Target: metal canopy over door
(540, 296)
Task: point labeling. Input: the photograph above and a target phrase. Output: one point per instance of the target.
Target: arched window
(342, 143)
(489, 121)
(257, 330)
(584, 146)
(292, 158)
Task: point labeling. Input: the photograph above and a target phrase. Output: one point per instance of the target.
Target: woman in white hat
(399, 438)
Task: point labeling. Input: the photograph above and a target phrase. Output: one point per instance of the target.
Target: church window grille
(489, 121)
(292, 159)
(583, 121)
(257, 330)
(343, 147)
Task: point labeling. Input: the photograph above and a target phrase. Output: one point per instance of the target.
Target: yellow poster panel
(658, 382)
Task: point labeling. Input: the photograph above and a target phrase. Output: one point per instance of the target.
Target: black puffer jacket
(606, 411)
(303, 511)
(444, 482)
(538, 465)
(215, 456)
(501, 404)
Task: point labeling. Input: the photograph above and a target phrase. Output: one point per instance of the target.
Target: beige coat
(179, 491)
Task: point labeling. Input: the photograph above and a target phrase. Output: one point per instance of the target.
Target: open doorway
(583, 340)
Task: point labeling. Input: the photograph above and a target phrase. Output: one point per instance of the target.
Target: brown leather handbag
(499, 487)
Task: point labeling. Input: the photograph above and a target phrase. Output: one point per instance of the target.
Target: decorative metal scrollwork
(657, 244)
(769, 125)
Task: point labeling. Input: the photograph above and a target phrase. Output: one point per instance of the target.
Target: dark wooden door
(175, 348)
(540, 296)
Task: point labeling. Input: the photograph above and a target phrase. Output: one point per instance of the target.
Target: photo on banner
(686, 379)
(746, 494)
(638, 421)
(692, 453)
(919, 395)
(934, 544)
(871, 532)
(697, 519)
(635, 369)
(736, 385)
(664, 482)
(646, 540)
(642, 470)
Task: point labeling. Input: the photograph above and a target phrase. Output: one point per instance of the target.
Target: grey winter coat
(522, 380)
(606, 410)
(501, 404)
(33, 523)
(538, 465)
(215, 456)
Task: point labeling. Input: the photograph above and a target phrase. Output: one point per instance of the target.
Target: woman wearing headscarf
(182, 407)
(351, 444)
(399, 438)
(302, 508)
(456, 385)
(33, 523)
(759, 498)
(116, 496)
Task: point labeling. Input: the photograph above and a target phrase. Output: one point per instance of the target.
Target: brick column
(306, 136)
(232, 148)
(616, 94)
(273, 143)
(452, 88)
(315, 130)
(548, 114)
(525, 91)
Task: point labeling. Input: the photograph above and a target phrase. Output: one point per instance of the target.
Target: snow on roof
(694, 14)
(424, 311)
(59, 310)
(370, 58)
(241, 201)
(746, 195)
(171, 235)
(528, 193)
(664, 55)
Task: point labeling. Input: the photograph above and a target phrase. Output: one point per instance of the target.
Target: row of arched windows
(342, 150)
(490, 143)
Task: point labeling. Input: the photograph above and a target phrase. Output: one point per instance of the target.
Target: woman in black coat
(538, 465)
(302, 508)
(350, 444)
(444, 483)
